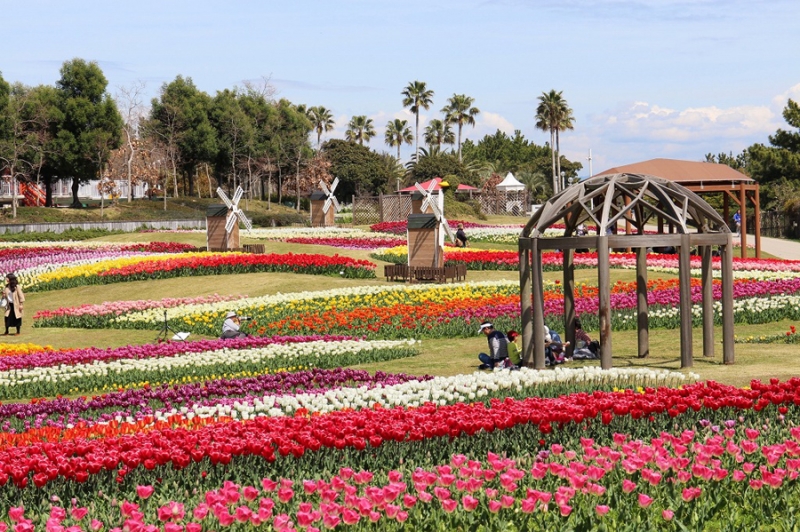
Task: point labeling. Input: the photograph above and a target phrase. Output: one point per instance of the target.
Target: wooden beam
(743, 216)
(525, 291)
(757, 231)
(707, 279)
(642, 319)
(727, 302)
(569, 299)
(604, 296)
(685, 276)
(538, 306)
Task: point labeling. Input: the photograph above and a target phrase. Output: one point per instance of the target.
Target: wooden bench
(254, 248)
(403, 272)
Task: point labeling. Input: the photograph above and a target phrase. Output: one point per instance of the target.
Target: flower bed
(203, 263)
(99, 376)
(649, 459)
(453, 310)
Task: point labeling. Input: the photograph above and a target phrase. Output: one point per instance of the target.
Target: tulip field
(308, 425)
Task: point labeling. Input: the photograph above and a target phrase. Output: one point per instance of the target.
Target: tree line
(186, 142)
(776, 166)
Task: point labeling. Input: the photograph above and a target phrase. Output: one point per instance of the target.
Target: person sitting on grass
(585, 347)
(498, 347)
(514, 354)
(554, 348)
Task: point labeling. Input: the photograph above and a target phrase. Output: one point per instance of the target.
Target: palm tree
(415, 96)
(321, 120)
(438, 132)
(398, 133)
(459, 111)
(360, 129)
(554, 115)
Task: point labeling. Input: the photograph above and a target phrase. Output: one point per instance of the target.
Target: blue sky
(645, 78)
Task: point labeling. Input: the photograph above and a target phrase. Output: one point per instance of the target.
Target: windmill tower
(222, 222)
(426, 232)
(322, 215)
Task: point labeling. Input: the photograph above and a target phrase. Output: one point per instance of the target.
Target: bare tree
(130, 102)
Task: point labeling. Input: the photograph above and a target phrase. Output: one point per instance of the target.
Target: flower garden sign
(636, 199)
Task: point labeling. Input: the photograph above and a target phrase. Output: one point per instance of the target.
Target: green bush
(280, 219)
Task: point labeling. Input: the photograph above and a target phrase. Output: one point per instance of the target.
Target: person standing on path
(15, 303)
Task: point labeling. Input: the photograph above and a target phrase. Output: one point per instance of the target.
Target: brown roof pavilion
(706, 178)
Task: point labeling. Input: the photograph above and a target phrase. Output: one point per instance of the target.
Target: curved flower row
(99, 314)
(100, 375)
(675, 477)
(202, 263)
(233, 443)
(495, 259)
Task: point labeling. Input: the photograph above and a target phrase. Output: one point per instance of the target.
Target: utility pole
(590, 162)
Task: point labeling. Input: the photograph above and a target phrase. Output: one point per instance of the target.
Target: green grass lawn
(438, 357)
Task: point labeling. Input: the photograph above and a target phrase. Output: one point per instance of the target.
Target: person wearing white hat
(554, 348)
(498, 347)
(230, 328)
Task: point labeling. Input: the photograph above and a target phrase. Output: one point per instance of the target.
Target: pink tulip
(601, 509)
(79, 513)
(494, 506)
(449, 505)
(628, 486)
(96, 525)
(144, 491)
(350, 517)
(16, 513)
(194, 527)
(645, 500)
(667, 514)
(528, 505)
(469, 502)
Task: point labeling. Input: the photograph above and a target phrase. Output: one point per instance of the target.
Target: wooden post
(743, 216)
(538, 306)
(685, 276)
(757, 228)
(726, 209)
(642, 320)
(569, 300)
(604, 287)
(707, 278)
(525, 300)
(727, 302)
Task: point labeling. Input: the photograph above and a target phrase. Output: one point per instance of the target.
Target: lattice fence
(368, 210)
(508, 203)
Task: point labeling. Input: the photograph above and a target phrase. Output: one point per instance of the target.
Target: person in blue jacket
(498, 347)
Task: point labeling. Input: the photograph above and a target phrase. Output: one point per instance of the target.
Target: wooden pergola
(706, 178)
(633, 199)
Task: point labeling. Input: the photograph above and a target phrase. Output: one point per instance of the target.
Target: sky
(644, 78)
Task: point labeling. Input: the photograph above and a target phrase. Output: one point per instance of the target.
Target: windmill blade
(237, 195)
(425, 204)
(336, 204)
(419, 187)
(225, 199)
(436, 212)
(447, 229)
(432, 186)
(244, 220)
(334, 184)
(326, 205)
(230, 222)
(324, 187)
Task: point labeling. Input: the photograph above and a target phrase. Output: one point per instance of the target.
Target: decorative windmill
(426, 232)
(222, 222)
(321, 201)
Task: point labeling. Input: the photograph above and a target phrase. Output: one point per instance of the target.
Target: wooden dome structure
(635, 199)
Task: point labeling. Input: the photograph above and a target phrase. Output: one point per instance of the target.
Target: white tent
(510, 184)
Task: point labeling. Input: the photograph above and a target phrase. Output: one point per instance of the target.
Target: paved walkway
(784, 249)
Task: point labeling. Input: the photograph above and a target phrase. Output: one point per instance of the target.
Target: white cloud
(644, 122)
(493, 122)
